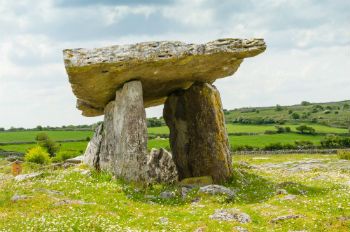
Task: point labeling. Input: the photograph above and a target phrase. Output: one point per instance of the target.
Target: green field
(242, 128)
(258, 140)
(262, 140)
(335, 114)
(70, 146)
(27, 136)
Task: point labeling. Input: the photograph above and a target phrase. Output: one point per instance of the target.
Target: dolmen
(120, 81)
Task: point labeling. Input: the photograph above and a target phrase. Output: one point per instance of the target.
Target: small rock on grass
(75, 160)
(185, 190)
(84, 172)
(17, 197)
(344, 218)
(240, 229)
(50, 192)
(28, 176)
(167, 195)
(285, 217)
(216, 189)
(289, 197)
(281, 192)
(230, 215)
(164, 220)
(73, 202)
(320, 177)
(13, 158)
(200, 229)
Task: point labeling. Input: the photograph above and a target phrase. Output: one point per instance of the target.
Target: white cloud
(307, 57)
(192, 13)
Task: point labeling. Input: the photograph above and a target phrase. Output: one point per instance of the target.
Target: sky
(307, 56)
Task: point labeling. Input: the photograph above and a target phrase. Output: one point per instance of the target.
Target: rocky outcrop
(166, 66)
(231, 215)
(161, 167)
(198, 135)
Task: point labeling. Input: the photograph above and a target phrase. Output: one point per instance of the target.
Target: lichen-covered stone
(198, 137)
(121, 146)
(161, 167)
(166, 66)
(91, 155)
(197, 181)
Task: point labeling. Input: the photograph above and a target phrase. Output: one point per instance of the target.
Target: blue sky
(308, 54)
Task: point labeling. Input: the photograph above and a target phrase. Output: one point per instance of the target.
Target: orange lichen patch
(16, 168)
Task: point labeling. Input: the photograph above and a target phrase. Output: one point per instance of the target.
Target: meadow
(278, 192)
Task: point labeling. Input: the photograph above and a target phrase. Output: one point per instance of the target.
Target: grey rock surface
(285, 217)
(166, 66)
(73, 202)
(198, 136)
(216, 189)
(230, 215)
(91, 155)
(240, 229)
(161, 167)
(23, 177)
(17, 197)
(75, 160)
(281, 192)
(288, 197)
(120, 145)
(167, 195)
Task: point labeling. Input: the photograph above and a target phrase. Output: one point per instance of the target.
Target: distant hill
(335, 114)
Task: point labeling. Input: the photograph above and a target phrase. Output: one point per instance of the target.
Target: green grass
(236, 128)
(71, 146)
(158, 130)
(27, 136)
(256, 140)
(262, 140)
(118, 206)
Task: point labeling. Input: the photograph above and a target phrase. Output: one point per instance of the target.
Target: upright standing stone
(91, 156)
(123, 145)
(198, 135)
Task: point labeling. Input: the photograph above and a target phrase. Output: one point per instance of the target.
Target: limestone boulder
(120, 144)
(91, 155)
(95, 74)
(198, 137)
(161, 167)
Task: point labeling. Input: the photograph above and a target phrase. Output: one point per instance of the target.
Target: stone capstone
(95, 74)
(198, 137)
